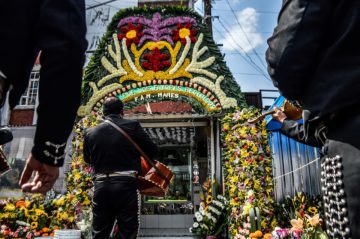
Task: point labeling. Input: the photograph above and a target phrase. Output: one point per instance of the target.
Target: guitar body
(150, 182)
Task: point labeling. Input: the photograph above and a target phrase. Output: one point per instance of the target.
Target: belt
(101, 176)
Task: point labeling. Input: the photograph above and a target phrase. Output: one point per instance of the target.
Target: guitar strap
(138, 148)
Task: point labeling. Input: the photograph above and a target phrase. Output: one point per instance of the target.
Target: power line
(245, 34)
(248, 59)
(100, 4)
(229, 10)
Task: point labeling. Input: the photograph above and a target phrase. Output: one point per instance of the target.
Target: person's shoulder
(130, 122)
(95, 128)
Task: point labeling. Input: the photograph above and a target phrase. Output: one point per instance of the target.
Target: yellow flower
(244, 153)
(77, 176)
(297, 224)
(33, 225)
(64, 216)
(35, 218)
(9, 207)
(274, 223)
(131, 34)
(40, 212)
(246, 209)
(313, 220)
(86, 201)
(254, 149)
(208, 199)
(313, 210)
(184, 32)
(60, 201)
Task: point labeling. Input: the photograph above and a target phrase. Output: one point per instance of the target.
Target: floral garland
(248, 174)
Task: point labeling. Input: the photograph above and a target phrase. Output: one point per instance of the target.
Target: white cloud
(236, 39)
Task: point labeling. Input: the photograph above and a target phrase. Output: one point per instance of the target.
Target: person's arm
(294, 129)
(296, 44)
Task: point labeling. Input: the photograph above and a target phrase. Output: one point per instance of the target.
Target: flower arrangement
(248, 175)
(299, 218)
(159, 44)
(211, 220)
(26, 218)
(40, 215)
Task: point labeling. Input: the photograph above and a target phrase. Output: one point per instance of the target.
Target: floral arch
(152, 54)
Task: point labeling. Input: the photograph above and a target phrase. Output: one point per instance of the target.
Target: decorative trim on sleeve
(56, 158)
(56, 146)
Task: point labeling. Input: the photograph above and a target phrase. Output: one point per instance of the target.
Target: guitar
(151, 183)
(291, 111)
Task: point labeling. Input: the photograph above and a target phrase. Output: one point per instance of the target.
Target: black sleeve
(296, 131)
(144, 141)
(86, 150)
(61, 37)
(295, 46)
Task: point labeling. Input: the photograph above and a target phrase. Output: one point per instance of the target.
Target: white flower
(197, 214)
(211, 208)
(190, 229)
(195, 225)
(199, 218)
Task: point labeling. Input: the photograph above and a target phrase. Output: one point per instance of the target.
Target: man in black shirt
(116, 162)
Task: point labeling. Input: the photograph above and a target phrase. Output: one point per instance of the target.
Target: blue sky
(257, 18)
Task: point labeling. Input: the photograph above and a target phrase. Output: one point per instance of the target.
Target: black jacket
(296, 131)
(314, 54)
(107, 150)
(57, 28)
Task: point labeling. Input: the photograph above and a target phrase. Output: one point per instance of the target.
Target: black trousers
(116, 199)
(341, 178)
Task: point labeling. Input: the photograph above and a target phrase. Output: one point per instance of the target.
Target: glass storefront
(183, 156)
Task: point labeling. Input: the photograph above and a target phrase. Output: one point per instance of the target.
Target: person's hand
(45, 176)
(279, 115)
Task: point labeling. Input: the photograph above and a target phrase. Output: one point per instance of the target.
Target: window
(30, 94)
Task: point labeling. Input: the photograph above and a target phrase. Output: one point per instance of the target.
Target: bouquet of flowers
(299, 218)
(26, 218)
(211, 219)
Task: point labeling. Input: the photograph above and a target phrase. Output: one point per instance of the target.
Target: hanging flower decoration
(184, 30)
(156, 60)
(132, 33)
(248, 169)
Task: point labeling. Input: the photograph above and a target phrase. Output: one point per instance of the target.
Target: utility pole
(207, 14)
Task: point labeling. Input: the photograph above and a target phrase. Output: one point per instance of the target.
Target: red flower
(184, 31)
(155, 60)
(131, 33)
